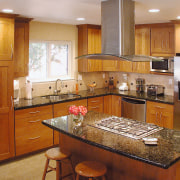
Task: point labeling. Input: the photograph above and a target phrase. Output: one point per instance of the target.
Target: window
(49, 60)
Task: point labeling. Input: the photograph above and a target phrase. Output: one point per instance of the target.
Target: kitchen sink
(61, 96)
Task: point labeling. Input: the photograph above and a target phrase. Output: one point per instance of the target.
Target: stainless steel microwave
(165, 66)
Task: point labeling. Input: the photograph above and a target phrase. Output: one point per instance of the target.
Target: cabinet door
(21, 49)
(6, 110)
(141, 67)
(6, 38)
(142, 41)
(160, 114)
(108, 104)
(110, 65)
(94, 65)
(162, 40)
(125, 66)
(116, 105)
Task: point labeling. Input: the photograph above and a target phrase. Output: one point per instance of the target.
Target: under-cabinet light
(80, 19)
(154, 10)
(7, 10)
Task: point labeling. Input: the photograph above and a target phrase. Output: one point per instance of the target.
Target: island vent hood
(118, 32)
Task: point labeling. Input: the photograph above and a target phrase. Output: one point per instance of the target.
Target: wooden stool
(90, 169)
(58, 156)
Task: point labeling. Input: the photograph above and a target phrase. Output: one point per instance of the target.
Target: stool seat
(91, 169)
(56, 154)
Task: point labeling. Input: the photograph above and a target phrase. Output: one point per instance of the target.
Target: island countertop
(162, 155)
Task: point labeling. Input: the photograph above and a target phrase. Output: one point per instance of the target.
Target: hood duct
(118, 32)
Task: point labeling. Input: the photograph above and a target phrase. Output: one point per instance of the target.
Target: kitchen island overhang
(165, 155)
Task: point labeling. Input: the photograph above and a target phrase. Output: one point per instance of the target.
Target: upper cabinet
(155, 39)
(142, 41)
(6, 38)
(21, 47)
(162, 41)
(89, 42)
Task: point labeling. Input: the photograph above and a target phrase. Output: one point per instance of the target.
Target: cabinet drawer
(30, 126)
(98, 108)
(37, 111)
(95, 101)
(28, 143)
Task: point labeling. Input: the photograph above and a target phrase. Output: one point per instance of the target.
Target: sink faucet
(56, 91)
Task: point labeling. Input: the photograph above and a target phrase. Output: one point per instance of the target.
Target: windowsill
(52, 80)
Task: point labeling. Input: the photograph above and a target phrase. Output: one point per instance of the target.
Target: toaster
(153, 90)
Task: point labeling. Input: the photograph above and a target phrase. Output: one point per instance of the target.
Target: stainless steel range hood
(118, 32)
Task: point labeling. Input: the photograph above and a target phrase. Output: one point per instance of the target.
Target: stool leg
(45, 169)
(77, 177)
(71, 165)
(58, 170)
(103, 178)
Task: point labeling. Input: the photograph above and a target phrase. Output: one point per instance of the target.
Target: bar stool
(58, 156)
(90, 169)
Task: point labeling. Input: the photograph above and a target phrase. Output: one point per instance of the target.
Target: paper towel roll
(28, 91)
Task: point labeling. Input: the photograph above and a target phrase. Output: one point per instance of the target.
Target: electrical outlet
(170, 81)
(103, 75)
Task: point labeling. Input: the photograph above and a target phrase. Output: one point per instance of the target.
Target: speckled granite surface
(163, 155)
(39, 101)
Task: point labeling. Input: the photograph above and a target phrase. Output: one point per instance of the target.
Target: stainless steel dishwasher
(133, 108)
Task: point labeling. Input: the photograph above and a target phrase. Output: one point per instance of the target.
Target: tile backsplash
(101, 79)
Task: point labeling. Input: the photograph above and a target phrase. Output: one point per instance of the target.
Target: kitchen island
(125, 158)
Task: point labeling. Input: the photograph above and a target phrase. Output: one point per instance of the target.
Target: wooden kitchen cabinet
(62, 109)
(6, 37)
(96, 104)
(162, 41)
(141, 67)
(21, 47)
(116, 105)
(89, 42)
(6, 110)
(108, 104)
(30, 133)
(160, 114)
(125, 66)
(110, 65)
(142, 40)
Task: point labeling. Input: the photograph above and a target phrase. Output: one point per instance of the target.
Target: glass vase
(77, 119)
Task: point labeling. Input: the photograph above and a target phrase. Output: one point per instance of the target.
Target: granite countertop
(163, 155)
(39, 101)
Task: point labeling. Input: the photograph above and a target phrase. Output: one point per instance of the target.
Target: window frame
(70, 60)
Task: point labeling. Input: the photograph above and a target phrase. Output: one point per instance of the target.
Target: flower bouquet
(78, 113)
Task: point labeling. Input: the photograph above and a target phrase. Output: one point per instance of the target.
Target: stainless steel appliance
(153, 90)
(165, 66)
(127, 127)
(177, 92)
(133, 108)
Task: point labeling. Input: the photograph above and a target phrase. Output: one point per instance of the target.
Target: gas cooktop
(127, 127)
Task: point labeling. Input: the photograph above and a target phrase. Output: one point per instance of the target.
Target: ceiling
(66, 11)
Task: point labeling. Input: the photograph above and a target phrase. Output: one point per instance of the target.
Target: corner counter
(124, 157)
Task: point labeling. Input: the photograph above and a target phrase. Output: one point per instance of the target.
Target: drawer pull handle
(159, 107)
(94, 101)
(34, 121)
(94, 107)
(34, 138)
(34, 112)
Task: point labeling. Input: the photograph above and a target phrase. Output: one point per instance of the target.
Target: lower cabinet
(30, 133)
(116, 105)
(96, 104)
(160, 114)
(108, 104)
(62, 109)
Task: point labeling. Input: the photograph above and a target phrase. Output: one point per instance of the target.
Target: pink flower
(78, 110)
(82, 110)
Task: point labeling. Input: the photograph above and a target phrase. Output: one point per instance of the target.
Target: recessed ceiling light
(178, 17)
(7, 10)
(80, 19)
(154, 10)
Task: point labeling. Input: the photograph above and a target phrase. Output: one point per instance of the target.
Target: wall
(166, 81)
(54, 31)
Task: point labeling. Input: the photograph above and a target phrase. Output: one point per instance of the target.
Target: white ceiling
(66, 11)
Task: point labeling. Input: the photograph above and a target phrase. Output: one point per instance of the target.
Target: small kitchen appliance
(140, 84)
(154, 90)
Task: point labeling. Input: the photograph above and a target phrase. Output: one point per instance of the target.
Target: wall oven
(165, 66)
